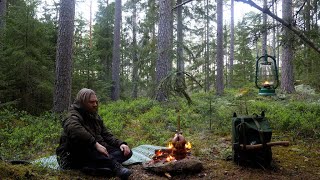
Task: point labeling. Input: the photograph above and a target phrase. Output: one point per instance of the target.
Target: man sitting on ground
(86, 144)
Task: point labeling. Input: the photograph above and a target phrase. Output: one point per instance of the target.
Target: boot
(121, 171)
(96, 171)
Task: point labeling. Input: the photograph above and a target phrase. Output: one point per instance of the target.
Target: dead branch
(296, 31)
(183, 3)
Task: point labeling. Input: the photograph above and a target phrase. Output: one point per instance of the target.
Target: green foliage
(141, 114)
(102, 48)
(244, 67)
(28, 58)
(301, 118)
(23, 136)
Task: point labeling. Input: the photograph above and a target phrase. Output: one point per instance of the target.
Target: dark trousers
(91, 158)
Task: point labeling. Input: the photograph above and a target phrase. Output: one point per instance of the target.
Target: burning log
(190, 164)
(176, 158)
(160, 154)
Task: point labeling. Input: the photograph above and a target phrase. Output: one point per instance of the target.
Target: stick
(269, 144)
(185, 2)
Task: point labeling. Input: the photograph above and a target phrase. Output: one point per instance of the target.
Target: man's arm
(77, 133)
(108, 137)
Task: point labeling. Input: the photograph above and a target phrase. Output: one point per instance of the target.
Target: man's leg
(101, 163)
(117, 154)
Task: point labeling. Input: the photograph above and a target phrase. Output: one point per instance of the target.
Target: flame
(159, 153)
(266, 83)
(188, 145)
(170, 145)
(170, 158)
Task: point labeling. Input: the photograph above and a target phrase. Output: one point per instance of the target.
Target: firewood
(167, 175)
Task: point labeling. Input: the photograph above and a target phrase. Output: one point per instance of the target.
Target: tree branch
(181, 4)
(296, 15)
(285, 23)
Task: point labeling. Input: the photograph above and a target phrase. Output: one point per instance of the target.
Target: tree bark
(3, 10)
(219, 77)
(63, 81)
(231, 59)
(287, 84)
(264, 30)
(207, 76)
(115, 92)
(164, 46)
(135, 77)
(180, 60)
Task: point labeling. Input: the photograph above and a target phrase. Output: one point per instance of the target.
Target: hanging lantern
(267, 79)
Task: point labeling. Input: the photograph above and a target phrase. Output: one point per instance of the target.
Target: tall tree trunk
(307, 20)
(107, 62)
(115, 93)
(207, 81)
(170, 62)
(3, 10)
(219, 77)
(164, 46)
(287, 84)
(63, 81)
(274, 46)
(264, 30)
(180, 60)
(135, 77)
(277, 35)
(315, 10)
(231, 45)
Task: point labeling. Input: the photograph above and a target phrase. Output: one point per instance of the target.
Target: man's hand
(125, 149)
(101, 149)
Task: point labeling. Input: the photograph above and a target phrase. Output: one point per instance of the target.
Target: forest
(158, 66)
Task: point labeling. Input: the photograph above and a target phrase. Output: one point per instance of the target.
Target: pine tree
(27, 61)
(287, 80)
(115, 92)
(164, 46)
(135, 60)
(219, 78)
(63, 80)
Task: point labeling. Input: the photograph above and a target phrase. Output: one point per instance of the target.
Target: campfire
(177, 149)
(175, 158)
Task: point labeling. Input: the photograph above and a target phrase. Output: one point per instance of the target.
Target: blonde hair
(84, 95)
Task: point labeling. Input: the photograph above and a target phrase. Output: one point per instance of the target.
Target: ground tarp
(140, 154)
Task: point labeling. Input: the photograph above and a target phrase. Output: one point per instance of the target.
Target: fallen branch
(285, 23)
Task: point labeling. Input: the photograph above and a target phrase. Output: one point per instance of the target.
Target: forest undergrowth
(206, 123)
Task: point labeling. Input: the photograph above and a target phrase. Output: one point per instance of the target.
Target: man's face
(92, 104)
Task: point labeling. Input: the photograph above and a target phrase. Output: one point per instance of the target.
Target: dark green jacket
(81, 130)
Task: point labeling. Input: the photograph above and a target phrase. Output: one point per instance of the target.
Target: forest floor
(301, 160)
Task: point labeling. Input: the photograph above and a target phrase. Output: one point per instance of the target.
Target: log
(190, 164)
(269, 144)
